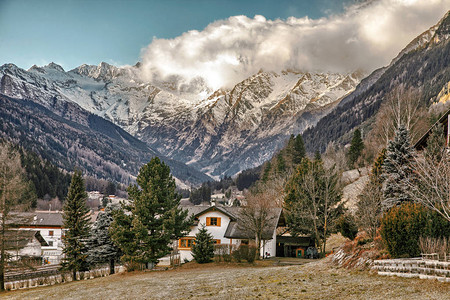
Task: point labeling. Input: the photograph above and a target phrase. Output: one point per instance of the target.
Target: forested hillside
(77, 138)
(425, 69)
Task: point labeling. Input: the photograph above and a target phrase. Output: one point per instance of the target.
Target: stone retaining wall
(59, 278)
(414, 267)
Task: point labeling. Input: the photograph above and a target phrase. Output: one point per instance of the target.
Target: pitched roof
(18, 239)
(202, 209)
(422, 142)
(236, 229)
(43, 218)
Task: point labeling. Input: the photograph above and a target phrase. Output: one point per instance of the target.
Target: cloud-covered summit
(367, 36)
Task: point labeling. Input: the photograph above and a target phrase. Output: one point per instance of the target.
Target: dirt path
(316, 280)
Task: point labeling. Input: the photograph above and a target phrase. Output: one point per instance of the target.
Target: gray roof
(236, 228)
(20, 238)
(422, 142)
(42, 219)
(201, 209)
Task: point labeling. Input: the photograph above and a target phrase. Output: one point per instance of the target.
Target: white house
(223, 223)
(21, 243)
(49, 224)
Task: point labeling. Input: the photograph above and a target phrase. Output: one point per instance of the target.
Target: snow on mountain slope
(219, 132)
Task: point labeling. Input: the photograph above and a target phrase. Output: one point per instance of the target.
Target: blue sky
(80, 31)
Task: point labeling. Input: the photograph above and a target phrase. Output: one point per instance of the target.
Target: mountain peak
(53, 66)
(103, 71)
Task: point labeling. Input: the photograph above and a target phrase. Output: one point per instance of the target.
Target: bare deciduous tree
(15, 194)
(312, 201)
(369, 208)
(402, 107)
(257, 216)
(431, 184)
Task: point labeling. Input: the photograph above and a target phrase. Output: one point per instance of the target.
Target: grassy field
(315, 280)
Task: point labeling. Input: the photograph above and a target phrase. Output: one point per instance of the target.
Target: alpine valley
(109, 118)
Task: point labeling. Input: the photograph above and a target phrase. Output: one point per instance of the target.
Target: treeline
(47, 179)
(50, 182)
(105, 187)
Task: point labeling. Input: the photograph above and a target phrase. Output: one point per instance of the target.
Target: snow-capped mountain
(218, 132)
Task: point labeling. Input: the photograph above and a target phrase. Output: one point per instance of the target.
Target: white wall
(51, 253)
(217, 232)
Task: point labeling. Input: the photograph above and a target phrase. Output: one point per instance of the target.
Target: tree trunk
(111, 266)
(2, 253)
(74, 274)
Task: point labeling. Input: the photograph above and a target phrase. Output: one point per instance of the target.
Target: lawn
(314, 280)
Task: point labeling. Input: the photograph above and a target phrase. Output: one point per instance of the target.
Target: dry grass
(316, 280)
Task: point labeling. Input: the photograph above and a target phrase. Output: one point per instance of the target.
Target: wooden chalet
(445, 121)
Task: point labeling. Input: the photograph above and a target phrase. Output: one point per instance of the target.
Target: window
(185, 243)
(50, 232)
(216, 242)
(212, 221)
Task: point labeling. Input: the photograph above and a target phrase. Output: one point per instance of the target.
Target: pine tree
(203, 248)
(281, 165)
(397, 169)
(299, 150)
(101, 247)
(356, 147)
(266, 172)
(145, 227)
(76, 222)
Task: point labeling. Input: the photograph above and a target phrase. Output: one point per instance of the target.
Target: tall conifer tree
(397, 169)
(145, 228)
(356, 147)
(299, 150)
(76, 224)
(101, 247)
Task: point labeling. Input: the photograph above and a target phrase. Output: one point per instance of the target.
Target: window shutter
(208, 221)
(218, 221)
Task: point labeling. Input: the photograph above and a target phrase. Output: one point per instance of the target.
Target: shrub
(430, 245)
(251, 254)
(402, 226)
(237, 255)
(346, 225)
(226, 258)
(245, 252)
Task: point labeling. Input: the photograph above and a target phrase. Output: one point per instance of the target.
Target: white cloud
(366, 36)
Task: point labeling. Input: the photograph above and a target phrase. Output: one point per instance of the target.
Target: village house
(50, 226)
(25, 244)
(225, 226)
(445, 122)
